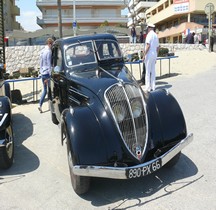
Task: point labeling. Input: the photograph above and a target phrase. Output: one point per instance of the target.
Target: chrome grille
(133, 130)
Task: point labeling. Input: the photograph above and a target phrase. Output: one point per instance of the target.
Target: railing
(139, 62)
(34, 85)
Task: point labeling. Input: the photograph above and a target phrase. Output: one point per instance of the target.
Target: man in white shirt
(150, 57)
(45, 69)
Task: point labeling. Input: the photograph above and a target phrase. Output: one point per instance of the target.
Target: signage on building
(74, 24)
(181, 6)
(209, 9)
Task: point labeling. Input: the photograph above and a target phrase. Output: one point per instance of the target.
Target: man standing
(150, 57)
(133, 34)
(45, 69)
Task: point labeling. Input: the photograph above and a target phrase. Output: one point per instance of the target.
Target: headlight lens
(119, 112)
(136, 106)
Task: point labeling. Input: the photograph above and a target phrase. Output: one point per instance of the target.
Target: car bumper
(121, 172)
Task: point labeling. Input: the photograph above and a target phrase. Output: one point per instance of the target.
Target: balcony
(144, 5)
(41, 3)
(51, 19)
(15, 10)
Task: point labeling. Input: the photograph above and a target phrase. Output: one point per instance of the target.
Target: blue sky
(28, 14)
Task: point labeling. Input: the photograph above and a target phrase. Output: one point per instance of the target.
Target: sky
(28, 14)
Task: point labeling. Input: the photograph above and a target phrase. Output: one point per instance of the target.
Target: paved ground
(39, 178)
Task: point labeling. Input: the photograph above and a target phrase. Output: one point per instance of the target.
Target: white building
(88, 14)
(137, 9)
(10, 11)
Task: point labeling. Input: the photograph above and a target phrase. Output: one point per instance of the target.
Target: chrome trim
(120, 172)
(131, 113)
(78, 93)
(2, 142)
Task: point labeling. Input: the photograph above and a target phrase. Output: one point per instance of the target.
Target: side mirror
(56, 69)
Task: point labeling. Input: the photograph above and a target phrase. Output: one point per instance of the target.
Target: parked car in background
(6, 131)
(111, 127)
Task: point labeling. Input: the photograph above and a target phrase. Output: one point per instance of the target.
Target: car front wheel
(7, 151)
(80, 184)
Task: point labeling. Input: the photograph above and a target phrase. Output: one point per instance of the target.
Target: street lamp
(74, 17)
(59, 19)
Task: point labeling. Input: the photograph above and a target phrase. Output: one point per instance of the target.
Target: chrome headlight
(136, 106)
(119, 112)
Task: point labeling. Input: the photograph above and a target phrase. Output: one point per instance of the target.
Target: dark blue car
(112, 128)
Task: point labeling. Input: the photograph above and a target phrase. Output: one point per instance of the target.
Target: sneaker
(40, 110)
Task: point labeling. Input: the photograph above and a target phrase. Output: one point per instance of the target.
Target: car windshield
(80, 54)
(107, 49)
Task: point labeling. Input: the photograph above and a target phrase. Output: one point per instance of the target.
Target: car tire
(173, 161)
(80, 184)
(7, 152)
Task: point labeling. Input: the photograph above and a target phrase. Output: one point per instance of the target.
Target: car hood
(99, 79)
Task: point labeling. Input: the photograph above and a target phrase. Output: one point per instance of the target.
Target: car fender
(91, 142)
(5, 112)
(165, 117)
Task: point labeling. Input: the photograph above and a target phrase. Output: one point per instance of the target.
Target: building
(85, 15)
(137, 9)
(174, 19)
(10, 12)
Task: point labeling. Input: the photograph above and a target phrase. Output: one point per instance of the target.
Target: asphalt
(39, 177)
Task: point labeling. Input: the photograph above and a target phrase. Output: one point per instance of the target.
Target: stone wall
(22, 57)
(28, 56)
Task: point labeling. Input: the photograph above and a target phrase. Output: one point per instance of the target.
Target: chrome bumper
(120, 172)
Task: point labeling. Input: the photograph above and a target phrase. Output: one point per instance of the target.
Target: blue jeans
(44, 77)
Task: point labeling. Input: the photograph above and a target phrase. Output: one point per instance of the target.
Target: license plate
(143, 171)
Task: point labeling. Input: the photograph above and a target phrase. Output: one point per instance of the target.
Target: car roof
(70, 40)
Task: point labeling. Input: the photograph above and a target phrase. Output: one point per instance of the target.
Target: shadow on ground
(167, 76)
(24, 160)
(106, 191)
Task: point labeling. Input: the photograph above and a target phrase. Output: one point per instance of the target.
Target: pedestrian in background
(150, 57)
(45, 69)
(133, 34)
(141, 37)
(190, 38)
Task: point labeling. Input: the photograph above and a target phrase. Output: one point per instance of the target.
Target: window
(107, 49)
(79, 54)
(56, 57)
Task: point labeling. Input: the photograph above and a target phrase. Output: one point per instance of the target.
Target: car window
(107, 49)
(56, 57)
(79, 54)
(59, 58)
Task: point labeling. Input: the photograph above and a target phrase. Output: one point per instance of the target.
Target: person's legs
(43, 95)
(152, 83)
(148, 74)
(142, 80)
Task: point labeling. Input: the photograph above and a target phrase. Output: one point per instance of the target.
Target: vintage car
(6, 131)
(112, 128)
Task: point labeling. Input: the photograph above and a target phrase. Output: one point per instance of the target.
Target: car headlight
(119, 112)
(136, 107)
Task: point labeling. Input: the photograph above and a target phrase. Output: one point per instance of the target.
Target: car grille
(132, 129)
